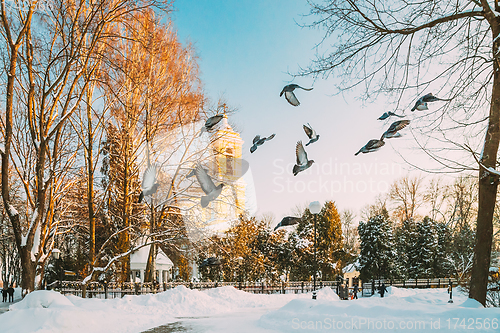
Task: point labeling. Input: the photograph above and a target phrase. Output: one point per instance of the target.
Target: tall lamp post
(56, 253)
(315, 208)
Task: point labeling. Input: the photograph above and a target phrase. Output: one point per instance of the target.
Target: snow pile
(227, 309)
(240, 299)
(42, 299)
(471, 303)
(51, 312)
(418, 310)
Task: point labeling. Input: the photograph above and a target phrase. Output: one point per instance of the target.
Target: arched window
(229, 162)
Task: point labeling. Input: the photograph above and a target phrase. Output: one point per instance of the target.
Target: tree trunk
(127, 204)
(27, 266)
(488, 184)
(150, 274)
(28, 271)
(90, 181)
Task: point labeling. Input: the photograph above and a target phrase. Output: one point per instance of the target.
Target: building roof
(351, 268)
(139, 259)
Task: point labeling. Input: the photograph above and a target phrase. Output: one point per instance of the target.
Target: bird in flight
(372, 145)
(421, 103)
(258, 141)
(302, 162)
(311, 134)
(286, 221)
(149, 184)
(389, 114)
(193, 172)
(290, 96)
(207, 185)
(396, 126)
(212, 261)
(211, 123)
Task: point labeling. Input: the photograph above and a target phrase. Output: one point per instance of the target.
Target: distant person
(355, 292)
(382, 290)
(4, 294)
(11, 293)
(344, 292)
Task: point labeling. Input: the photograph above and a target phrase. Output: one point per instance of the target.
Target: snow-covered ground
(226, 309)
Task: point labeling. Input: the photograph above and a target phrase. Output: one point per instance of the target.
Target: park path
(240, 321)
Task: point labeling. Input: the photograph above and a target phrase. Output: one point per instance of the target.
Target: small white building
(138, 262)
(351, 274)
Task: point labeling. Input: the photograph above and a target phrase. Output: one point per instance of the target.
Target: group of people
(345, 294)
(8, 291)
(354, 295)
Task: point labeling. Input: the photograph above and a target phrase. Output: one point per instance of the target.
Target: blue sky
(246, 50)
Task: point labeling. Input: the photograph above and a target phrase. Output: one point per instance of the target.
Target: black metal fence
(121, 289)
(369, 288)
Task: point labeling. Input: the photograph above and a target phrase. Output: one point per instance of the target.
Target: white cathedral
(224, 148)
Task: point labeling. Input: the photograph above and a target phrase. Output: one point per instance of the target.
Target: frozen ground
(229, 310)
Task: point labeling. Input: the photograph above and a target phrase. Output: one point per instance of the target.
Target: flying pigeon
(290, 96)
(396, 126)
(372, 145)
(258, 141)
(422, 107)
(311, 134)
(211, 122)
(207, 185)
(302, 162)
(240, 164)
(193, 172)
(149, 184)
(286, 221)
(212, 261)
(388, 114)
(421, 103)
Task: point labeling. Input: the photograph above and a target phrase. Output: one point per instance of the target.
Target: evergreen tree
(250, 239)
(329, 249)
(376, 249)
(462, 250)
(428, 244)
(402, 242)
(418, 247)
(441, 265)
(122, 213)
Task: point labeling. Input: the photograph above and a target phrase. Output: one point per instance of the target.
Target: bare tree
(378, 208)
(349, 232)
(48, 89)
(404, 47)
(435, 197)
(462, 202)
(408, 194)
(151, 88)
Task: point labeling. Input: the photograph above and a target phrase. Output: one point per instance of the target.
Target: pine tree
(122, 212)
(441, 266)
(376, 249)
(402, 241)
(329, 251)
(462, 250)
(428, 244)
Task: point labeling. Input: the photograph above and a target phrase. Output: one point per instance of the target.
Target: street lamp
(450, 291)
(315, 208)
(56, 253)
